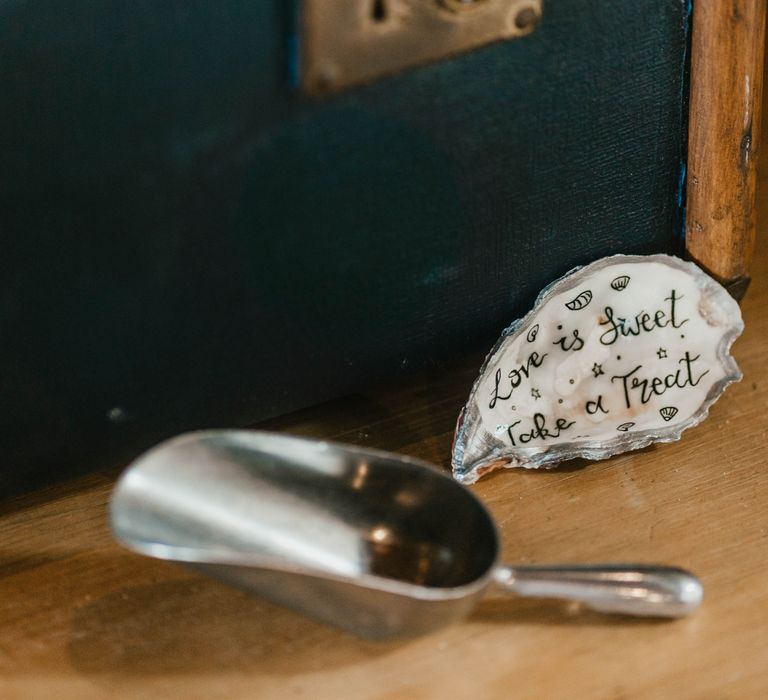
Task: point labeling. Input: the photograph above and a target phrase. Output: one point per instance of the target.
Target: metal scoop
(379, 544)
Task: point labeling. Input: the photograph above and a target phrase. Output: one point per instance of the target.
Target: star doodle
(597, 370)
(662, 353)
(536, 394)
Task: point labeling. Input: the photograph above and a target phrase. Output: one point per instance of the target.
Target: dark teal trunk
(188, 242)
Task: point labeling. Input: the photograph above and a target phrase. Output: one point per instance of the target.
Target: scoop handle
(626, 589)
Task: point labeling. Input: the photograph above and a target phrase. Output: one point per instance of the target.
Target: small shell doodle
(668, 412)
(620, 282)
(580, 301)
(601, 366)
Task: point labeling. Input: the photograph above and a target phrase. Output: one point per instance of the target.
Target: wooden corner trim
(727, 54)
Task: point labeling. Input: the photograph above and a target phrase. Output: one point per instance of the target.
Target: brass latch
(348, 42)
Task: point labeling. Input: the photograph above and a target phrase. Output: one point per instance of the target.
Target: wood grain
(727, 48)
(82, 619)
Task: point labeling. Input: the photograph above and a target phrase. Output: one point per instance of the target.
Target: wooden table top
(82, 618)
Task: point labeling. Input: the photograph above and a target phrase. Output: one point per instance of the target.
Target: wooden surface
(727, 47)
(81, 618)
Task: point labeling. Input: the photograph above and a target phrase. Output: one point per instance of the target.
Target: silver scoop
(381, 545)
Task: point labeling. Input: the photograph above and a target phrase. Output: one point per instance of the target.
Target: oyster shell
(616, 355)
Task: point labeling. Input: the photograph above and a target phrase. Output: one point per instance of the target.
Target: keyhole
(379, 10)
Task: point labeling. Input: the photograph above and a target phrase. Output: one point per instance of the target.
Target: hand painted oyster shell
(616, 355)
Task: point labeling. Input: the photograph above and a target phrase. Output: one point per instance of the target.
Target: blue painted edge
(292, 39)
(685, 84)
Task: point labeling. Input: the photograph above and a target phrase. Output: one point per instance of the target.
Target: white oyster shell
(616, 355)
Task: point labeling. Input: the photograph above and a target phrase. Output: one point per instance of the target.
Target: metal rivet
(526, 18)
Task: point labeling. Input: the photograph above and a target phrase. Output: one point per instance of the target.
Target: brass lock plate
(349, 42)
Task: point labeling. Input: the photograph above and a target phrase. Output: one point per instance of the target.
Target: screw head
(526, 19)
